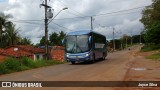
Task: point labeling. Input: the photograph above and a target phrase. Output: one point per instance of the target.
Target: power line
(70, 8)
(91, 15)
(60, 26)
(104, 13)
(27, 20)
(114, 15)
(67, 10)
(120, 11)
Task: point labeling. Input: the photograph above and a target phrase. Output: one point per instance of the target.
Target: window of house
(37, 56)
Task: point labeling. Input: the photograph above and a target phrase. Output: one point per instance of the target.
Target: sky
(122, 15)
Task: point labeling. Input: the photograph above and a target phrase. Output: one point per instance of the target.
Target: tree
(151, 21)
(25, 41)
(61, 37)
(42, 41)
(3, 23)
(54, 39)
(12, 34)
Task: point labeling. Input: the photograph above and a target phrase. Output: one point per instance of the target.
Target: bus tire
(73, 62)
(93, 60)
(104, 56)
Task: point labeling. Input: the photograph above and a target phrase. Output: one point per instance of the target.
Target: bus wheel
(103, 57)
(93, 60)
(73, 62)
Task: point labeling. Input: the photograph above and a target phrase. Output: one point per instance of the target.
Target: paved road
(113, 68)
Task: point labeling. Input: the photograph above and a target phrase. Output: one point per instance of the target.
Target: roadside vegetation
(151, 20)
(11, 65)
(155, 56)
(150, 47)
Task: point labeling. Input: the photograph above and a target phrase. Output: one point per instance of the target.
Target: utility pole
(46, 28)
(46, 31)
(140, 38)
(126, 42)
(91, 23)
(131, 38)
(48, 15)
(113, 40)
(121, 38)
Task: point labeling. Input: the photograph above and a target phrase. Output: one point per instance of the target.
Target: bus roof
(81, 32)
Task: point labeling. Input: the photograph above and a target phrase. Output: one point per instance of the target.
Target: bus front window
(77, 43)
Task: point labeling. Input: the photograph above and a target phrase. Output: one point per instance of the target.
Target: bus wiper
(73, 48)
(79, 48)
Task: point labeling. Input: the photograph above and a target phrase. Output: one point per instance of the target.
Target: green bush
(12, 64)
(155, 56)
(3, 68)
(39, 63)
(24, 68)
(27, 62)
(53, 62)
(150, 47)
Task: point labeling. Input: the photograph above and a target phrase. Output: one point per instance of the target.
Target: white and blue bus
(85, 45)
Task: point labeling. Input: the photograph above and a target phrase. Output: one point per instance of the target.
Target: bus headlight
(67, 55)
(87, 55)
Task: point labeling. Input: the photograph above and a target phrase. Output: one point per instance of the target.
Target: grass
(155, 56)
(150, 47)
(14, 65)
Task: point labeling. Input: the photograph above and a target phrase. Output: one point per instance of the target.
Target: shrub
(155, 56)
(27, 62)
(150, 47)
(3, 68)
(39, 63)
(12, 64)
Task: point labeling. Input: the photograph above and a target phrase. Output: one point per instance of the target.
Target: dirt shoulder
(142, 69)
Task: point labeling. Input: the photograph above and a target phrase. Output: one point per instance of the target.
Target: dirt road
(116, 67)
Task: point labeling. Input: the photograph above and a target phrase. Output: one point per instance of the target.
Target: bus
(84, 45)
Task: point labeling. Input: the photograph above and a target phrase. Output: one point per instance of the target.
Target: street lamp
(57, 14)
(49, 15)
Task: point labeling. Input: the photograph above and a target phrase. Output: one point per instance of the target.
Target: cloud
(12, 1)
(125, 22)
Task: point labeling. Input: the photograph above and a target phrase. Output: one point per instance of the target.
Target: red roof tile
(1, 50)
(18, 53)
(22, 50)
(31, 49)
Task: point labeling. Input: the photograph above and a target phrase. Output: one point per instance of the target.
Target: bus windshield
(77, 43)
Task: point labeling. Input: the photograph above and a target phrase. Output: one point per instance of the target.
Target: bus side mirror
(63, 42)
(89, 39)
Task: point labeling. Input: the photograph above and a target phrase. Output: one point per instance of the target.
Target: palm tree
(3, 23)
(12, 34)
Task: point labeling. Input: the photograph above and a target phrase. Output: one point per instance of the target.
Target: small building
(24, 50)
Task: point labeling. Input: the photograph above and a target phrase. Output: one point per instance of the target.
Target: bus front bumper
(78, 58)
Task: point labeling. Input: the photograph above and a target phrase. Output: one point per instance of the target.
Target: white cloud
(30, 10)
(11, 1)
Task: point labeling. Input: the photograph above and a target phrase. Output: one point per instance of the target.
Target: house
(24, 50)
